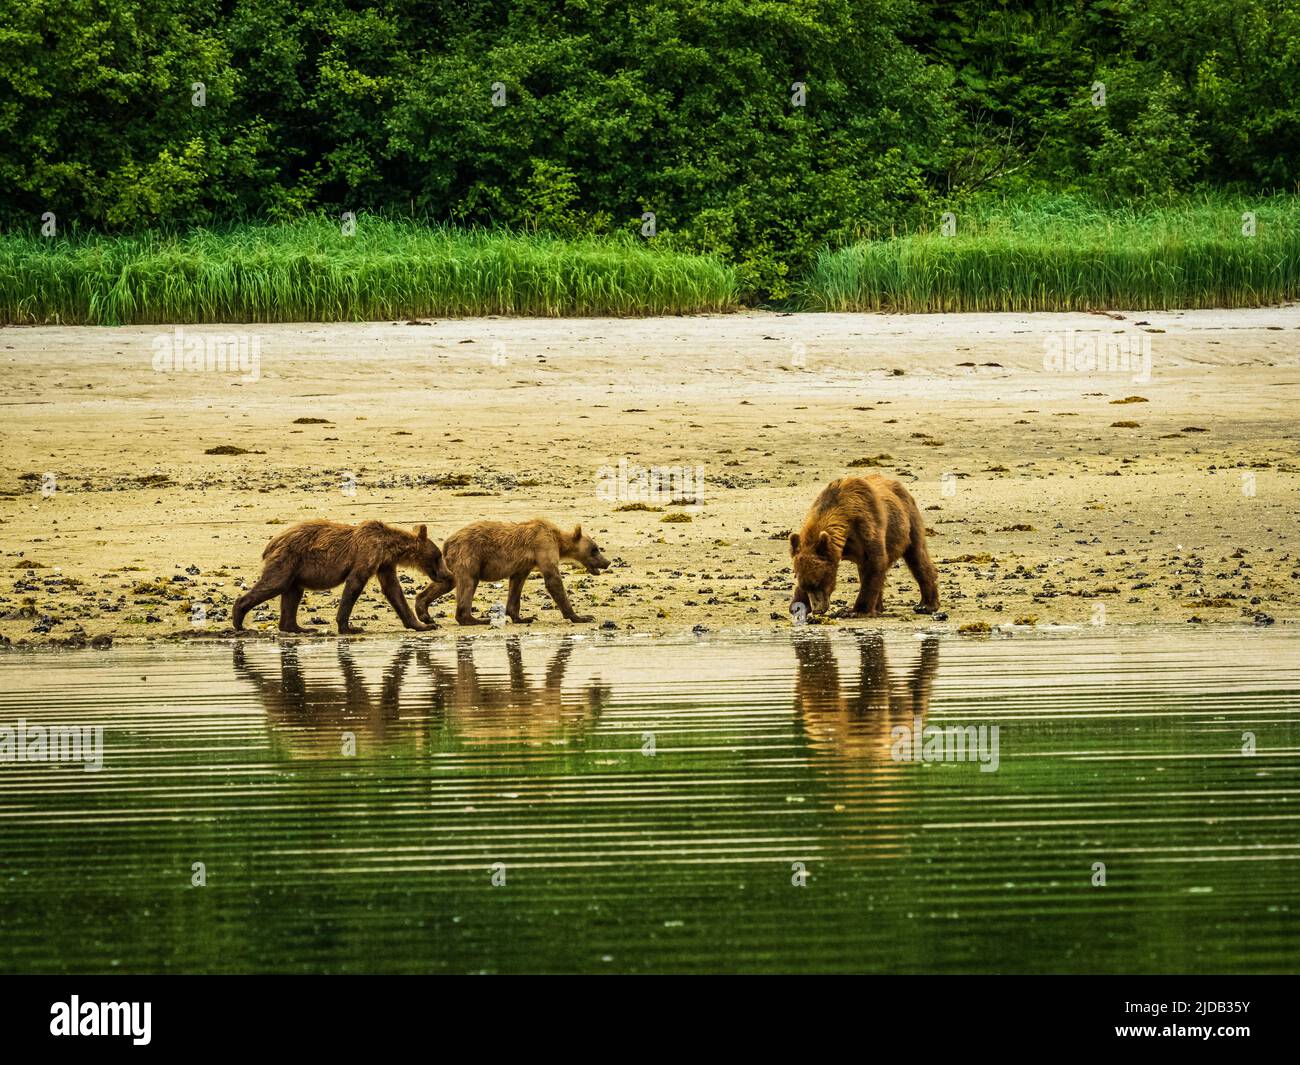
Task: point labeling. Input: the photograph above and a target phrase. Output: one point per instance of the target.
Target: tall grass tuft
(310, 271)
(1058, 254)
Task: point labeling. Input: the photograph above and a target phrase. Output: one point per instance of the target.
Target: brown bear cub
(872, 521)
(496, 550)
(324, 554)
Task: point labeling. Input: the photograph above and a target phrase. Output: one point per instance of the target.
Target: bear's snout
(814, 599)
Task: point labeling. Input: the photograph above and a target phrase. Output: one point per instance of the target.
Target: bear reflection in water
(856, 721)
(418, 701)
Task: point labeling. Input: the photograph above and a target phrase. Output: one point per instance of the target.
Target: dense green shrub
(613, 109)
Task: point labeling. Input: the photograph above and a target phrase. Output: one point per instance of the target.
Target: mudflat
(1156, 482)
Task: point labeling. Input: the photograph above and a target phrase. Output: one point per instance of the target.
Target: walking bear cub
(323, 554)
(872, 521)
(496, 550)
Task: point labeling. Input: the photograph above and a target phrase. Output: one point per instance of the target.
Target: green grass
(309, 271)
(1044, 253)
(1055, 254)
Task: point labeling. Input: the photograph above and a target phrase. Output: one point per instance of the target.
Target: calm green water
(1122, 748)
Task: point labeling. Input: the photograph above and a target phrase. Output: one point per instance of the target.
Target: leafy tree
(690, 109)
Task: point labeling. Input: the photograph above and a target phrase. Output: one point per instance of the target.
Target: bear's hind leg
(918, 561)
(513, 600)
(465, 589)
(432, 591)
(268, 586)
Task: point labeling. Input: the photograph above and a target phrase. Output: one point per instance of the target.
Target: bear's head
(429, 556)
(585, 552)
(815, 568)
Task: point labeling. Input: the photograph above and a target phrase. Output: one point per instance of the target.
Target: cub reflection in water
(315, 715)
(312, 716)
(857, 722)
(481, 709)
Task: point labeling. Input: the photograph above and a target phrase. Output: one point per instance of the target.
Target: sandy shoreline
(450, 421)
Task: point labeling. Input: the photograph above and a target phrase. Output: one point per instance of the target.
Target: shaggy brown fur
(872, 521)
(497, 550)
(323, 554)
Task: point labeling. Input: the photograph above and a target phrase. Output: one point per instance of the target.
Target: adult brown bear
(872, 521)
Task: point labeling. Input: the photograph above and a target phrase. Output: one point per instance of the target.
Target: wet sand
(114, 519)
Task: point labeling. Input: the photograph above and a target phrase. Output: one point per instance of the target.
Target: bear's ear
(577, 533)
(824, 545)
(422, 533)
(794, 544)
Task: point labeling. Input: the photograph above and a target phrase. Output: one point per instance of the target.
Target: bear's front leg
(391, 586)
(555, 586)
(870, 602)
(352, 589)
